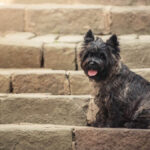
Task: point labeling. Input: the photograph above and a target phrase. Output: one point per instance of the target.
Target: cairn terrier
(122, 96)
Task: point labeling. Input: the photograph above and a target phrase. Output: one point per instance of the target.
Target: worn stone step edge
(35, 137)
(25, 50)
(49, 81)
(31, 17)
(69, 137)
(44, 109)
(105, 2)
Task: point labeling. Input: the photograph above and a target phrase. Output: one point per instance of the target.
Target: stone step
(60, 52)
(112, 139)
(75, 19)
(35, 137)
(49, 81)
(105, 2)
(50, 137)
(44, 109)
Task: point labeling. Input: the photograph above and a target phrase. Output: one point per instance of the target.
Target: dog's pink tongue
(92, 73)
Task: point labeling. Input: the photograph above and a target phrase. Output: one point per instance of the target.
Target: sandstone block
(112, 139)
(44, 108)
(33, 137)
(16, 54)
(4, 83)
(79, 83)
(12, 18)
(131, 20)
(67, 19)
(36, 81)
(136, 53)
(59, 56)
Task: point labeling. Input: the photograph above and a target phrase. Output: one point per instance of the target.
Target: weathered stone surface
(4, 83)
(136, 53)
(40, 81)
(59, 56)
(34, 137)
(79, 83)
(74, 19)
(127, 37)
(12, 18)
(49, 38)
(20, 54)
(107, 2)
(71, 38)
(67, 19)
(53, 82)
(15, 36)
(44, 108)
(112, 139)
(131, 20)
(144, 37)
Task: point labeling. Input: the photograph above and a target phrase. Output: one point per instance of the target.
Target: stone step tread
(29, 37)
(106, 2)
(42, 96)
(72, 137)
(25, 50)
(55, 82)
(31, 18)
(80, 6)
(38, 127)
(44, 109)
(45, 137)
(35, 127)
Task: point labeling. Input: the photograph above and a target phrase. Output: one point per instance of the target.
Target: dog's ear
(113, 41)
(89, 37)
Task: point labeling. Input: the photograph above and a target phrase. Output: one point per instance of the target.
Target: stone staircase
(44, 100)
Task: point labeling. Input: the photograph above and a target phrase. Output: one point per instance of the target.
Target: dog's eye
(102, 56)
(85, 56)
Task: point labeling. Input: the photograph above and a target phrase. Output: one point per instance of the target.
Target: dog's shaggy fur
(123, 97)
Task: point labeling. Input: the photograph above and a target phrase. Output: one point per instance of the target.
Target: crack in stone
(15, 145)
(11, 85)
(76, 58)
(69, 84)
(42, 56)
(73, 140)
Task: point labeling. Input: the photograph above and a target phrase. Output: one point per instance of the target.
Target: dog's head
(97, 57)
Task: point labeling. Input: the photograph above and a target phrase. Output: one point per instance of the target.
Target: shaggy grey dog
(123, 97)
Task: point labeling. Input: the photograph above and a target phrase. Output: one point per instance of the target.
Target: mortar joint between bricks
(73, 140)
(42, 56)
(67, 74)
(76, 57)
(11, 85)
